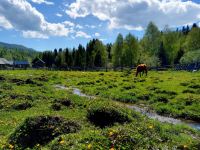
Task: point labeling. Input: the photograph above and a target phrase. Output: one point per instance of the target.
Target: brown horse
(141, 69)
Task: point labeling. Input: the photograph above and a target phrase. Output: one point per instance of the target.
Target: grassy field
(31, 107)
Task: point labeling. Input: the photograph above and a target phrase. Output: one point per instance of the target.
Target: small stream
(141, 110)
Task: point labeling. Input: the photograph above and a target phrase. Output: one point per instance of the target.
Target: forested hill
(17, 52)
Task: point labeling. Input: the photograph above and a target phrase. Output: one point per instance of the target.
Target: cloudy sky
(49, 24)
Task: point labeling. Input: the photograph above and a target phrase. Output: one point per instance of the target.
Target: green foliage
(171, 45)
(117, 50)
(17, 54)
(151, 40)
(193, 39)
(130, 51)
(190, 57)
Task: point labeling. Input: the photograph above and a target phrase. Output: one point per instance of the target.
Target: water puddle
(75, 91)
(141, 110)
(62, 87)
(79, 93)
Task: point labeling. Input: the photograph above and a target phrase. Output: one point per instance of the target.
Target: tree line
(156, 48)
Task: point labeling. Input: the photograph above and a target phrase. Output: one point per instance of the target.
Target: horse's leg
(136, 73)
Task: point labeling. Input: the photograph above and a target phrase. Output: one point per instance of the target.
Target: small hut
(38, 63)
(4, 63)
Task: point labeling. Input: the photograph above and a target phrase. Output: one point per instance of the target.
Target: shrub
(184, 84)
(145, 97)
(162, 99)
(128, 87)
(22, 106)
(2, 78)
(172, 93)
(56, 106)
(41, 130)
(17, 81)
(86, 83)
(163, 110)
(101, 74)
(188, 91)
(64, 102)
(103, 115)
(195, 86)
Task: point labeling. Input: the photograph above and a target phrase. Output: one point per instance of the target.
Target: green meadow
(39, 110)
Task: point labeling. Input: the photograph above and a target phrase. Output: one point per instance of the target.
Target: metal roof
(3, 61)
(21, 63)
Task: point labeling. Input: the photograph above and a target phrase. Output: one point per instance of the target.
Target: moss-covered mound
(41, 130)
(22, 106)
(105, 114)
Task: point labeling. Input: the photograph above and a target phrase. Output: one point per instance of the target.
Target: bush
(184, 84)
(145, 97)
(22, 106)
(172, 93)
(195, 86)
(190, 57)
(41, 130)
(103, 115)
(163, 110)
(162, 99)
(2, 78)
(65, 102)
(56, 106)
(188, 91)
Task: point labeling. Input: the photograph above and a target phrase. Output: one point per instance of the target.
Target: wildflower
(112, 148)
(111, 133)
(150, 127)
(89, 146)
(185, 146)
(38, 145)
(11, 146)
(62, 142)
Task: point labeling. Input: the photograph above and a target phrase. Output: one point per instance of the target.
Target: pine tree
(162, 55)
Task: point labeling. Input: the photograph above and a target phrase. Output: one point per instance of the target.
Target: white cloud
(34, 34)
(69, 23)
(136, 14)
(59, 15)
(5, 23)
(43, 1)
(97, 34)
(78, 26)
(23, 17)
(82, 34)
(90, 26)
(102, 40)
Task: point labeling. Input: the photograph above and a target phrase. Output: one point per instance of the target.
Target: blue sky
(48, 24)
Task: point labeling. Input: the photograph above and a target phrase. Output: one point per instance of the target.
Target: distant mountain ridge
(15, 46)
(17, 52)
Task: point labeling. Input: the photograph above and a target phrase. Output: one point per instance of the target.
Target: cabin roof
(21, 63)
(39, 61)
(3, 61)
